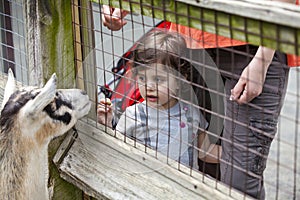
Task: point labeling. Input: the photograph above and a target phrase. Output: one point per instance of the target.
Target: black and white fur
(30, 118)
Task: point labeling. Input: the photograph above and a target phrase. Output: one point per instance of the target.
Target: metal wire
(111, 55)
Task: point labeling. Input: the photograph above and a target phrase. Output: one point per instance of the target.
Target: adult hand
(252, 79)
(104, 112)
(249, 85)
(113, 18)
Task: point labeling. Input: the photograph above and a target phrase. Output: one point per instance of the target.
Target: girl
(169, 119)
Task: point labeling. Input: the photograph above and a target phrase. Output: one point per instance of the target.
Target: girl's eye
(141, 78)
(160, 80)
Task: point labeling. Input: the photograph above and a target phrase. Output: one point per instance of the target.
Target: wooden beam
(101, 164)
(77, 44)
(85, 50)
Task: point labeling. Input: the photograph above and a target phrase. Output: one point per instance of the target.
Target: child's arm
(213, 154)
(104, 112)
(208, 152)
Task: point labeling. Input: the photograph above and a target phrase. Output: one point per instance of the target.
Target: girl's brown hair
(163, 47)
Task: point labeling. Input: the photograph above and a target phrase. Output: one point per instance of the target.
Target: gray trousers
(249, 128)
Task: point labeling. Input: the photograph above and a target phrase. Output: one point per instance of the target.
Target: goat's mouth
(84, 110)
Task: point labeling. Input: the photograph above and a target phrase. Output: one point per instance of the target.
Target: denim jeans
(249, 128)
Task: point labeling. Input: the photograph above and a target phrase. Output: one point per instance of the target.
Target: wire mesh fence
(191, 83)
(219, 47)
(13, 51)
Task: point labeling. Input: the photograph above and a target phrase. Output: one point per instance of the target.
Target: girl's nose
(150, 85)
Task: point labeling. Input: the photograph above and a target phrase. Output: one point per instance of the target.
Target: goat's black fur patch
(59, 102)
(16, 101)
(50, 110)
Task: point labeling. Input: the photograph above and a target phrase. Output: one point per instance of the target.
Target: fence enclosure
(95, 161)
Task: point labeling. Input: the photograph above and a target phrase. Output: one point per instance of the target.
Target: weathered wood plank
(104, 166)
(267, 11)
(84, 43)
(253, 21)
(56, 51)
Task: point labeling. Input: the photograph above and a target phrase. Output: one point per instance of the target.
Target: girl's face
(157, 86)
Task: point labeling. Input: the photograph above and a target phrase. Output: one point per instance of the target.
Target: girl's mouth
(152, 98)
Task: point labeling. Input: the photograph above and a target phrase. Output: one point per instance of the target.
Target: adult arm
(252, 79)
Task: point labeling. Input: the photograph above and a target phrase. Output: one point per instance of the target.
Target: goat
(30, 118)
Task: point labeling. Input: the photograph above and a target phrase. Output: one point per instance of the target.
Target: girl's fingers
(105, 101)
(105, 106)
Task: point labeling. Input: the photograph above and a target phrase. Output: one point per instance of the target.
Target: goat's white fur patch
(46, 95)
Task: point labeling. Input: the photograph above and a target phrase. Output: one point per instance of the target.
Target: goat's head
(42, 113)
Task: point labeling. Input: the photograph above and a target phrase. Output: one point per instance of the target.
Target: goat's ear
(10, 87)
(46, 95)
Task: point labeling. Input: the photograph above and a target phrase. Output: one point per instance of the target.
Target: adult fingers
(243, 98)
(106, 13)
(114, 24)
(244, 91)
(237, 90)
(113, 18)
(107, 16)
(124, 13)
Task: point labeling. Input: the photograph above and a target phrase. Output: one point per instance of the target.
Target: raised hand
(113, 18)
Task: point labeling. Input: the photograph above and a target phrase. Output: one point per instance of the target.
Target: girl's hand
(113, 18)
(104, 112)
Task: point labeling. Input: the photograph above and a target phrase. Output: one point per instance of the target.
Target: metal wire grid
(13, 51)
(109, 49)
